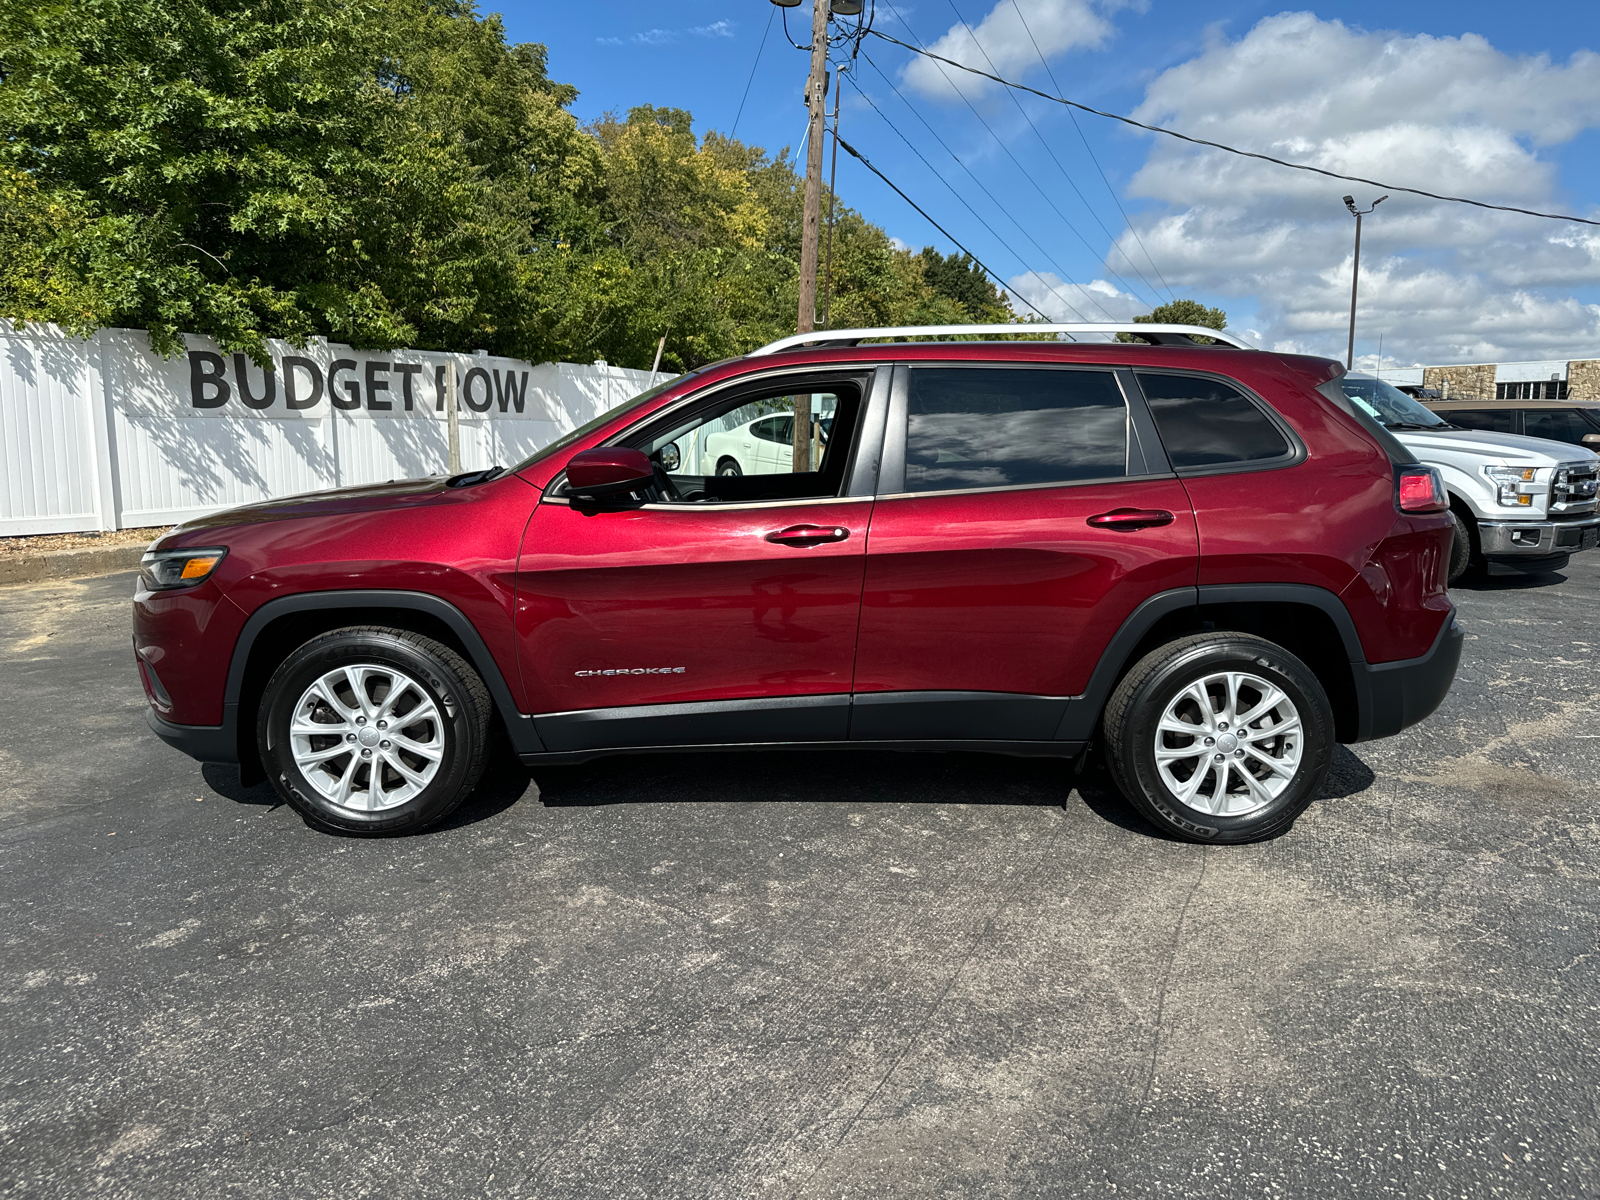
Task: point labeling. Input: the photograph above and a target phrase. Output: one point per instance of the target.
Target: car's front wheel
(375, 731)
(1463, 553)
(1219, 737)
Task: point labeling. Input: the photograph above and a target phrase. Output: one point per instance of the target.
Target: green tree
(358, 168)
(393, 172)
(961, 279)
(1182, 312)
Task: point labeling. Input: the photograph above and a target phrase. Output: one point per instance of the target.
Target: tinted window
(1204, 422)
(1557, 424)
(1495, 420)
(774, 429)
(975, 428)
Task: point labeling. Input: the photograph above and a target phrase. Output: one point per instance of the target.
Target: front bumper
(1510, 541)
(206, 743)
(1395, 695)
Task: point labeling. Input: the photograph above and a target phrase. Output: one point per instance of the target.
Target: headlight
(1514, 485)
(165, 569)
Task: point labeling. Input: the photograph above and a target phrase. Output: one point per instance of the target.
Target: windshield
(583, 431)
(1389, 406)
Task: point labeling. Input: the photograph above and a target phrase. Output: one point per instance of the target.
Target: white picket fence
(103, 434)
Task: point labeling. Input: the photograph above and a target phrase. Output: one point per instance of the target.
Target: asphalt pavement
(803, 975)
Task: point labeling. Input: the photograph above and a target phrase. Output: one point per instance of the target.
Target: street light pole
(1355, 274)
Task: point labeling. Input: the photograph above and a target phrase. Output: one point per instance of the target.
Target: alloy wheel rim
(1229, 744)
(366, 737)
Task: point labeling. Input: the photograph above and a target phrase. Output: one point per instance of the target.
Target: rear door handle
(808, 535)
(1125, 519)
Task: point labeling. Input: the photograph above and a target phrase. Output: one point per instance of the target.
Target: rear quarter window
(1205, 422)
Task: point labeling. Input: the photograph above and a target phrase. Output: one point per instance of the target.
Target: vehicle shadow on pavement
(1347, 776)
(832, 776)
(1507, 583)
(867, 777)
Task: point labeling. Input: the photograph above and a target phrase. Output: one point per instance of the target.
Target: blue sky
(1500, 102)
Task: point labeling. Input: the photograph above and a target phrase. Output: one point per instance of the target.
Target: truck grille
(1574, 487)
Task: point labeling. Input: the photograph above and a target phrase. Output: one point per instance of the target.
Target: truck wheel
(1462, 551)
(1219, 737)
(374, 731)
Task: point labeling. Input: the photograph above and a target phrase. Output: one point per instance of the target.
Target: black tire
(1158, 680)
(1463, 549)
(729, 466)
(460, 736)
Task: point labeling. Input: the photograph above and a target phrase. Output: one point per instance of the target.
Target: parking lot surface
(829, 974)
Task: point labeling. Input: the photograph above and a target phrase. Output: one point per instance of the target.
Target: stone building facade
(1478, 381)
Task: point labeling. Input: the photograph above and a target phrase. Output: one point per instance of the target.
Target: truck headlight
(1514, 486)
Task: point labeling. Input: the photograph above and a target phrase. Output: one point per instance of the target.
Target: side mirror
(608, 471)
(669, 458)
(1592, 440)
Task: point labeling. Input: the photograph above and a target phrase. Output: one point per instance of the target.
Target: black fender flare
(1083, 712)
(518, 725)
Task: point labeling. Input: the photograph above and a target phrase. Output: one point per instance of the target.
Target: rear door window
(1557, 424)
(978, 427)
(1205, 422)
(1492, 420)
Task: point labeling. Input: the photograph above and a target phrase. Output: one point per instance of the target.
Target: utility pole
(833, 203)
(817, 107)
(452, 419)
(1355, 274)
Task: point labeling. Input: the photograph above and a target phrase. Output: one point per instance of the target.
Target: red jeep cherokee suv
(1200, 556)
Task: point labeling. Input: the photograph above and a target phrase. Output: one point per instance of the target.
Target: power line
(865, 162)
(976, 180)
(1110, 191)
(753, 67)
(1065, 220)
(1072, 183)
(1111, 116)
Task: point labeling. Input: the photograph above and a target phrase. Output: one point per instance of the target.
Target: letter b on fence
(207, 369)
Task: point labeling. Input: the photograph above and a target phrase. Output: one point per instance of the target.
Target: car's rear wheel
(375, 731)
(728, 466)
(1219, 737)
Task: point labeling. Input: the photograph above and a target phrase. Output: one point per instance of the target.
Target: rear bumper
(1399, 694)
(205, 743)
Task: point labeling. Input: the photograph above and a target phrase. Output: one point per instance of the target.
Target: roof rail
(1161, 335)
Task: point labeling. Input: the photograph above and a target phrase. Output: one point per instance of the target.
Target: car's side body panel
(1011, 591)
(677, 603)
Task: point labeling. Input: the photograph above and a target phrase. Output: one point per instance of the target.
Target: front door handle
(1124, 519)
(808, 535)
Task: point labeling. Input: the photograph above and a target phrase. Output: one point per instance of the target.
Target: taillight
(1420, 490)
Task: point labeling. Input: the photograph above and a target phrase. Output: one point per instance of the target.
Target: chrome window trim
(1029, 487)
(718, 506)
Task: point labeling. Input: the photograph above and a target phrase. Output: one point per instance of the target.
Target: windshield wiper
(1414, 425)
(472, 477)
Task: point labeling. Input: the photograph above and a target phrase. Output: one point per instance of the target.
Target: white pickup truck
(1521, 504)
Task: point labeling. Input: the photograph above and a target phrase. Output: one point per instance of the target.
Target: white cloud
(664, 37)
(1003, 44)
(1060, 301)
(1442, 282)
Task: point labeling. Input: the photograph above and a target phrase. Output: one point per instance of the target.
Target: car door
(727, 615)
(1025, 511)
